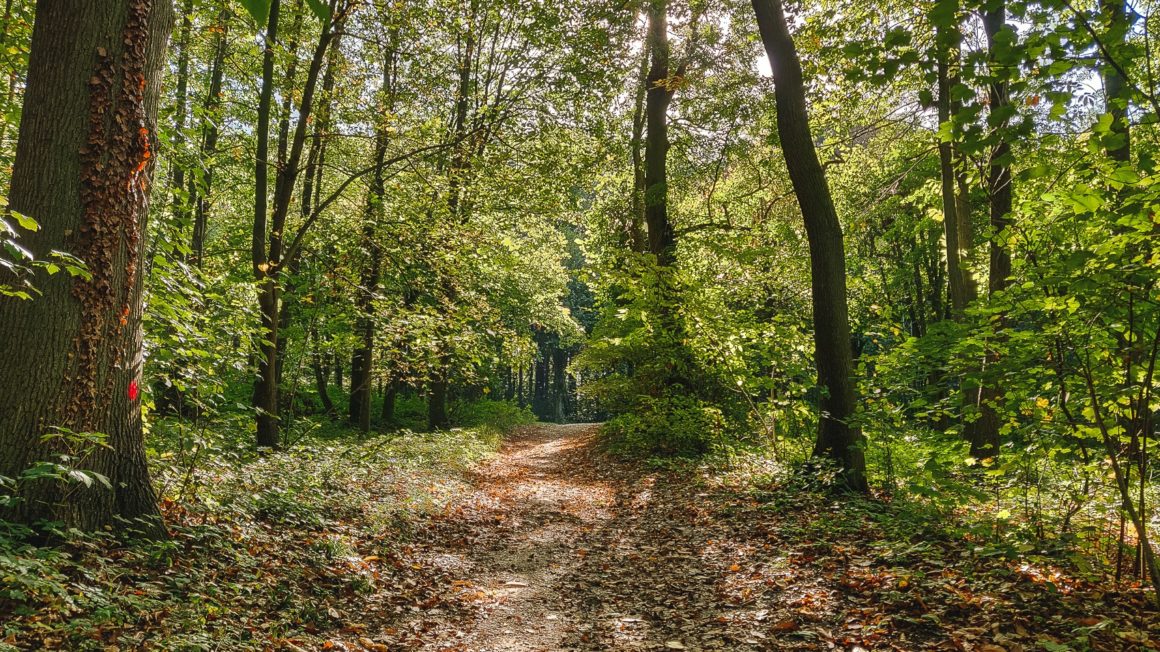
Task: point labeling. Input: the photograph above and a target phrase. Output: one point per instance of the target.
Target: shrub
(502, 415)
(671, 426)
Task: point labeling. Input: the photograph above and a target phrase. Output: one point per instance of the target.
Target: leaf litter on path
(557, 546)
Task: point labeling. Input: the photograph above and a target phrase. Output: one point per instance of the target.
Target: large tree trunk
(838, 439)
(635, 234)
(84, 163)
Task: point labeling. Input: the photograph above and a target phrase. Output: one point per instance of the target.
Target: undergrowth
(277, 543)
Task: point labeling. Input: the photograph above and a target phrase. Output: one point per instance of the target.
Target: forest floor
(458, 542)
(556, 546)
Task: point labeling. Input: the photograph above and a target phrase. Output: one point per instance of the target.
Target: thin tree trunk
(637, 235)
(949, 40)
(520, 387)
(265, 385)
(268, 264)
(559, 384)
(360, 396)
(389, 398)
(984, 435)
(838, 439)
(73, 356)
(662, 239)
(209, 143)
(437, 418)
(320, 379)
(177, 180)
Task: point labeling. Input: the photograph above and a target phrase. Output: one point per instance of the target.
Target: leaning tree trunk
(838, 439)
(268, 263)
(84, 163)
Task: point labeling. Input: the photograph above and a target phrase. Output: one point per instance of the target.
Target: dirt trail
(561, 548)
(555, 546)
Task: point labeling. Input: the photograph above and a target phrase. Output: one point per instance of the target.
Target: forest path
(559, 547)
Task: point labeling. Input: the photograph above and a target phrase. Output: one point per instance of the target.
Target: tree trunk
(984, 435)
(949, 39)
(389, 398)
(84, 163)
(437, 418)
(360, 396)
(661, 238)
(1117, 13)
(320, 379)
(268, 264)
(637, 237)
(209, 142)
(178, 163)
(265, 385)
(521, 401)
(559, 384)
(838, 439)
(169, 398)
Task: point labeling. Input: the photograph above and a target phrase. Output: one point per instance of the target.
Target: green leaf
(25, 222)
(77, 474)
(259, 9)
(320, 9)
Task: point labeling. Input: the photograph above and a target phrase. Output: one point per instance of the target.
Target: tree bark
(209, 140)
(84, 164)
(1117, 14)
(637, 236)
(268, 263)
(437, 417)
(959, 288)
(838, 439)
(661, 238)
(360, 396)
(320, 376)
(389, 398)
(265, 385)
(984, 435)
(559, 384)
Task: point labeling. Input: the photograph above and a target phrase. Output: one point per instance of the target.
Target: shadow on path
(562, 548)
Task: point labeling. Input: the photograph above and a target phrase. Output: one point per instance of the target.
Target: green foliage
(503, 415)
(669, 427)
(270, 536)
